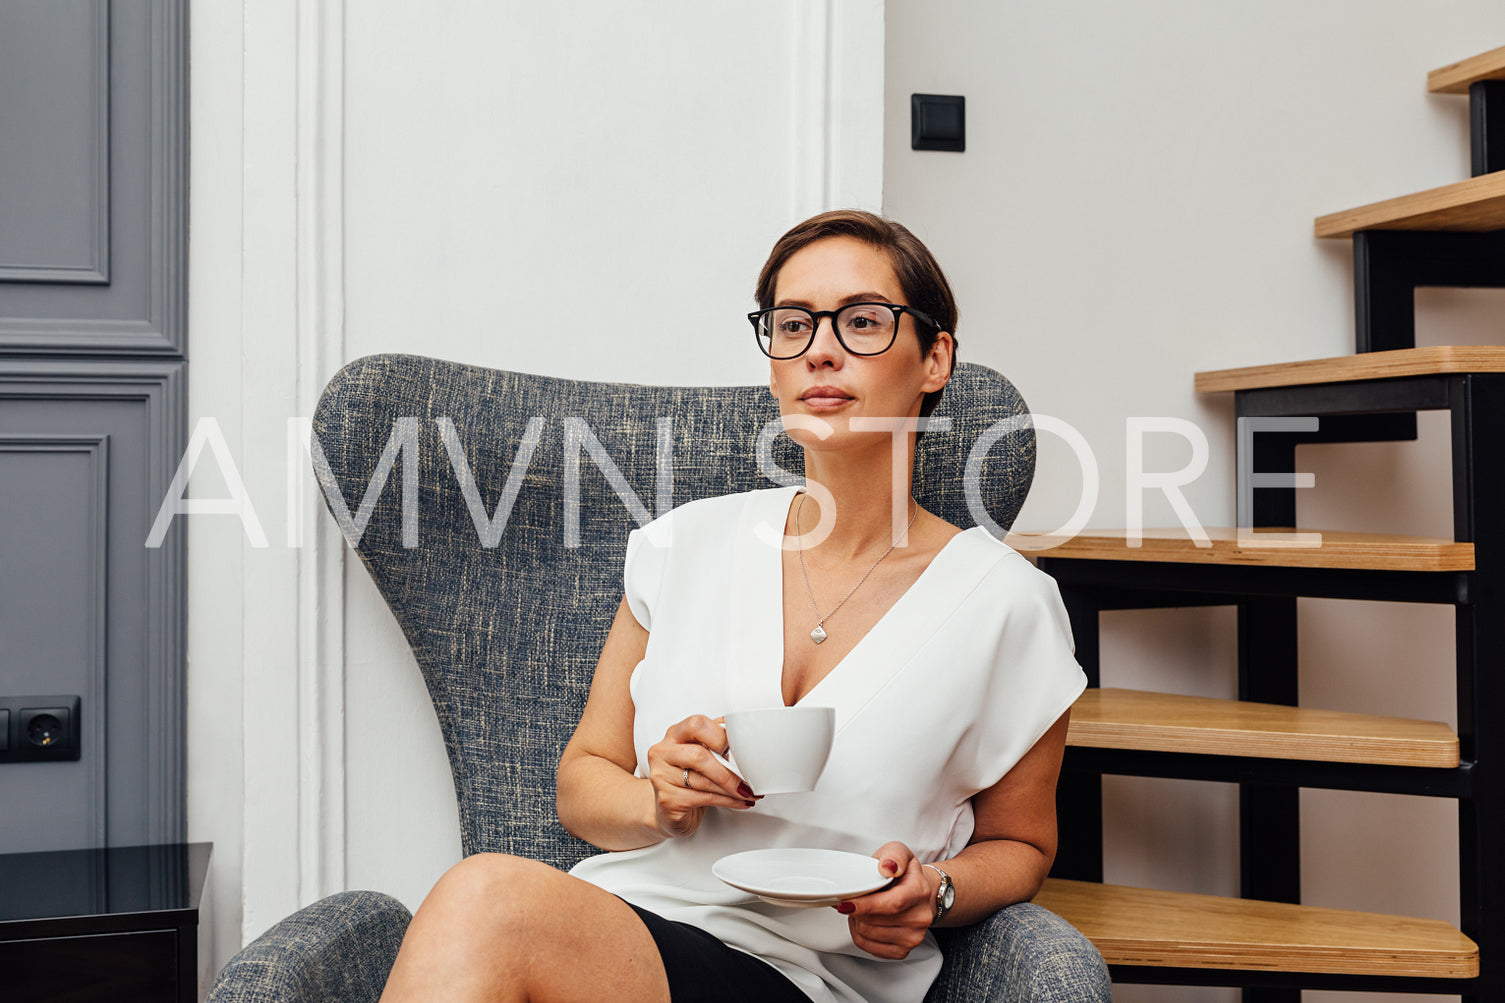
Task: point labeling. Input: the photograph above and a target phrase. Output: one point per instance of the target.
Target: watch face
(948, 895)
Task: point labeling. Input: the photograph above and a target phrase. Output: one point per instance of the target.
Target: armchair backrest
(507, 635)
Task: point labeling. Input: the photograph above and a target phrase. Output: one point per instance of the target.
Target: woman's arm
(599, 798)
(1014, 837)
(1013, 845)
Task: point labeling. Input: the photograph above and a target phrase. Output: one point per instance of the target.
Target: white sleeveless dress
(944, 695)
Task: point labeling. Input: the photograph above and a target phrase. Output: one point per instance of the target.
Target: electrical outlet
(39, 729)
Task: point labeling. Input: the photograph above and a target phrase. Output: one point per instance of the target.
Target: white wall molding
(836, 106)
(293, 323)
(809, 105)
(854, 105)
(269, 360)
(320, 336)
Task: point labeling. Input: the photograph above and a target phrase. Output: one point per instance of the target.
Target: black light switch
(938, 122)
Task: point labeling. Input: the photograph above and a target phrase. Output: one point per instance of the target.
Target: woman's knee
(493, 892)
(543, 932)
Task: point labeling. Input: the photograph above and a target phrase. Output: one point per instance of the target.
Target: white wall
(498, 182)
(1135, 204)
(216, 747)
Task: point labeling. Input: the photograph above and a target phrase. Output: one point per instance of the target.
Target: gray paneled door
(93, 301)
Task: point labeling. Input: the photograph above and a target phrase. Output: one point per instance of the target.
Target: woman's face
(828, 382)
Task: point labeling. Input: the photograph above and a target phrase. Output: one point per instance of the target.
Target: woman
(946, 655)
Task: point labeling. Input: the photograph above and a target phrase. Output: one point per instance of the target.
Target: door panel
(87, 450)
(55, 78)
(93, 303)
(54, 494)
(93, 176)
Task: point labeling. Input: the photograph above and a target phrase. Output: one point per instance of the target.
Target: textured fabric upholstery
(338, 950)
(507, 636)
(1023, 954)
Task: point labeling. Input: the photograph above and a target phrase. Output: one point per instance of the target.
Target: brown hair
(920, 277)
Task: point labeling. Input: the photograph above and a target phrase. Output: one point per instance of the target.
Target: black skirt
(702, 969)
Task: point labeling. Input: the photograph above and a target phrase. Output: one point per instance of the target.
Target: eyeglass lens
(863, 328)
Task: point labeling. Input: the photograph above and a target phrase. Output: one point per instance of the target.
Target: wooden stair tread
(1141, 926)
(1476, 205)
(1454, 78)
(1169, 722)
(1430, 361)
(1339, 549)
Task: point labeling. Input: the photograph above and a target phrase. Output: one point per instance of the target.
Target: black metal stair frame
(1486, 126)
(1265, 597)
(1390, 265)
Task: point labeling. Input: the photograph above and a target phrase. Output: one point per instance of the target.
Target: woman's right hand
(685, 754)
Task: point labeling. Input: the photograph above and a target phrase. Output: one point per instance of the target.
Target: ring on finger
(686, 778)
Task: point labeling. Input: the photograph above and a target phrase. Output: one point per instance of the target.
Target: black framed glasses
(787, 332)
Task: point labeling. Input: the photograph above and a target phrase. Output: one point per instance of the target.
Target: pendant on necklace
(818, 634)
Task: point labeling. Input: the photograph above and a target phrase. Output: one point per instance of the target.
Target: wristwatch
(945, 894)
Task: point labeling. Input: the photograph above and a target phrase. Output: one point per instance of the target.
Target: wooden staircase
(1437, 360)
(1473, 206)
(1262, 547)
(1457, 78)
(1168, 722)
(1265, 940)
(1141, 926)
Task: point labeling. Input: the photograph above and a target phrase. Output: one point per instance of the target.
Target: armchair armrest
(338, 950)
(1022, 954)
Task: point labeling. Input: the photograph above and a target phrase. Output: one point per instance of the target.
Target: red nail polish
(845, 908)
(744, 790)
(751, 804)
(891, 867)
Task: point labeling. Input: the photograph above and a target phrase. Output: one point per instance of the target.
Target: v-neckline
(875, 628)
(755, 671)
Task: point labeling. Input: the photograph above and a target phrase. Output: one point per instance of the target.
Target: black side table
(117, 924)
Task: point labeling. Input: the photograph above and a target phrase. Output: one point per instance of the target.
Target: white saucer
(801, 878)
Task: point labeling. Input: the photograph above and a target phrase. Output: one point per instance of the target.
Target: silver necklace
(819, 633)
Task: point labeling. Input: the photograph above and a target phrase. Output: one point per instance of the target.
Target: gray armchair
(507, 636)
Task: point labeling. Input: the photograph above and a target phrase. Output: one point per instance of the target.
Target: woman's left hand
(892, 922)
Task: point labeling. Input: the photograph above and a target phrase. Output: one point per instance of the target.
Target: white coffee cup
(780, 750)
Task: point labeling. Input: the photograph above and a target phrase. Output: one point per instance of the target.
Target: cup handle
(726, 760)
